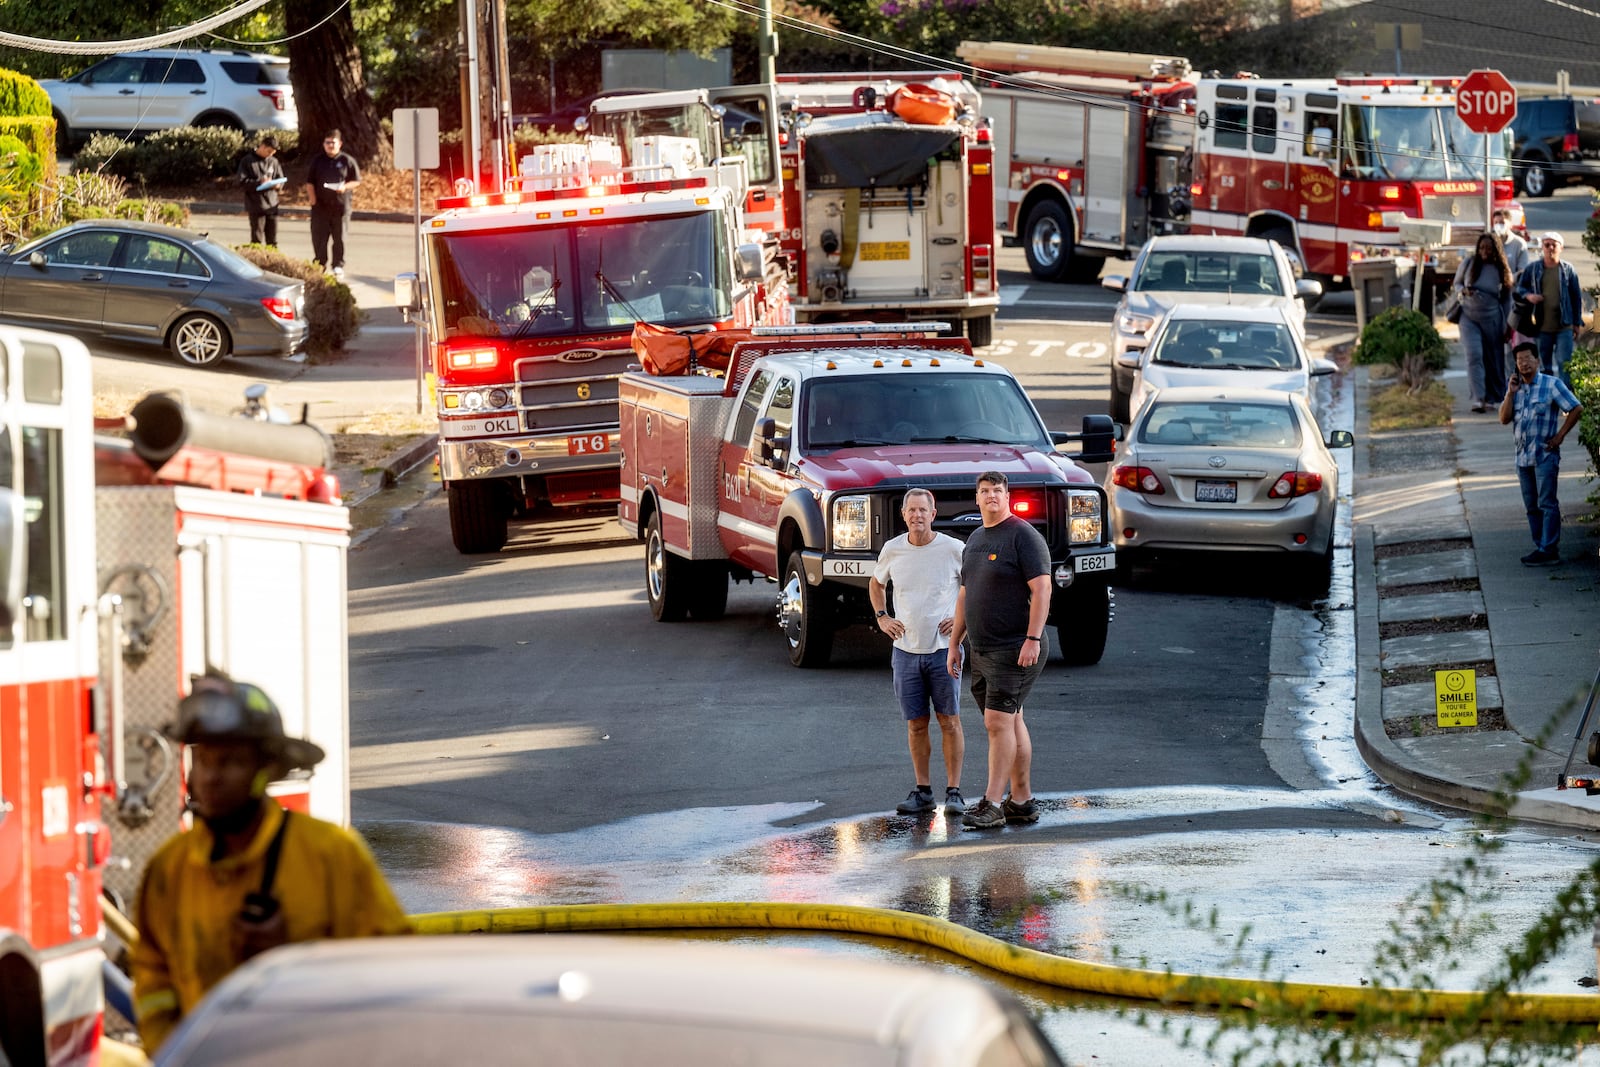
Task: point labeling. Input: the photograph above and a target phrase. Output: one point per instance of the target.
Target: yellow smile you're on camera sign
(1455, 696)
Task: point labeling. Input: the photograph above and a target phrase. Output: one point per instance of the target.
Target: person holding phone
(1541, 411)
(250, 876)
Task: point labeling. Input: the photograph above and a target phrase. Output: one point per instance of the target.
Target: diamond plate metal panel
(705, 475)
(136, 552)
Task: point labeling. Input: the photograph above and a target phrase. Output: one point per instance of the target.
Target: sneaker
(338, 272)
(1541, 558)
(917, 802)
(1027, 811)
(954, 802)
(983, 816)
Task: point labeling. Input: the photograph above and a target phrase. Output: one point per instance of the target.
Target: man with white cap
(248, 877)
(1551, 285)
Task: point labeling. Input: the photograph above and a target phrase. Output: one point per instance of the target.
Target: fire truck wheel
(981, 331)
(478, 515)
(805, 616)
(1081, 615)
(708, 590)
(1047, 240)
(667, 576)
(199, 340)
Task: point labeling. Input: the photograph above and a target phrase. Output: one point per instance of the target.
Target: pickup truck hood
(851, 468)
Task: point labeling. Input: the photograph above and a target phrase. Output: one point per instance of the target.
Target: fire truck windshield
(1417, 144)
(556, 280)
(918, 409)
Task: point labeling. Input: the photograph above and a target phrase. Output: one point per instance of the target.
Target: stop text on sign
(1488, 102)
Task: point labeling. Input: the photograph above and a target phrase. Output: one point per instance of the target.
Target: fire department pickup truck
(790, 464)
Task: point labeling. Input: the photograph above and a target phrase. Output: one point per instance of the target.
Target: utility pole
(768, 45)
(469, 91)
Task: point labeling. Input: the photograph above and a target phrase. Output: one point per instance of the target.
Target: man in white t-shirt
(924, 569)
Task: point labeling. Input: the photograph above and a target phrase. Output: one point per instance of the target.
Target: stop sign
(1486, 102)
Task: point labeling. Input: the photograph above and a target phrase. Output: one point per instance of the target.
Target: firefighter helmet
(221, 709)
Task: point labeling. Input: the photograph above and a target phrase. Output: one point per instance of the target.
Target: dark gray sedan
(139, 281)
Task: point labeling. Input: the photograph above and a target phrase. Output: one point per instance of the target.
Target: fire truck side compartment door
(1107, 177)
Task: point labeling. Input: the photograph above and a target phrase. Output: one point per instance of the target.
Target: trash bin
(1381, 284)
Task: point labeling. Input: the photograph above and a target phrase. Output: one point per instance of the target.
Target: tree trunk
(330, 89)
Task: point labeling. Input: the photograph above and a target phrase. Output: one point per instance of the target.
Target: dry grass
(1395, 408)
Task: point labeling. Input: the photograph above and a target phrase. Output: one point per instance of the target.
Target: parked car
(562, 118)
(1236, 347)
(139, 281)
(1555, 142)
(163, 88)
(1227, 470)
(553, 998)
(1196, 269)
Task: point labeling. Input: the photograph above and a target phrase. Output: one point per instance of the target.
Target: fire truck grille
(562, 395)
(1456, 210)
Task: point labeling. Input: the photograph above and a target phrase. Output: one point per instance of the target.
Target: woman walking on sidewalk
(1484, 286)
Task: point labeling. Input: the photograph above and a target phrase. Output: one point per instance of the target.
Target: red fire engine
(668, 213)
(1092, 150)
(125, 567)
(888, 194)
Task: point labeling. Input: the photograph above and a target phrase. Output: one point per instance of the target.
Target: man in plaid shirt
(1533, 401)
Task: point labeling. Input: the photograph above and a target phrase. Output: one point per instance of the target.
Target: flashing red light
(1139, 479)
(1389, 192)
(1296, 483)
(279, 307)
(1027, 504)
(984, 136)
(473, 358)
(1196, 189)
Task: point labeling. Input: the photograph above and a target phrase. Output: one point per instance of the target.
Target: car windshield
(1177, 270)
(553, 280)
(1418, 144)
(1221, 344)
(919, 409)
(227, 257)
(1216, 424)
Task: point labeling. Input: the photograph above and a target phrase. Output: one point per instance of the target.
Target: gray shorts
(998, 683)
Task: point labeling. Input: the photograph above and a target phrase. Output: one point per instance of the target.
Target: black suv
(1557, 142)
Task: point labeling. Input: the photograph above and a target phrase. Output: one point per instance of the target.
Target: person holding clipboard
(262, 176)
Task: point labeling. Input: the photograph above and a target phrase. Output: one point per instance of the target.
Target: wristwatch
(1030, 637)
(881, 614)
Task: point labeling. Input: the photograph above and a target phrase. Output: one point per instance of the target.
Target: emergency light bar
(1588, 784)
(619, 189)
(837, 329)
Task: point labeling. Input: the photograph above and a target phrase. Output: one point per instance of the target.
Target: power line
(158, 40)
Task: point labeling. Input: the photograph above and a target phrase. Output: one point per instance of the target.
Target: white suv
(164, 88)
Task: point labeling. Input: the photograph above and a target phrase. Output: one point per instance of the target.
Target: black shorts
(998, 683)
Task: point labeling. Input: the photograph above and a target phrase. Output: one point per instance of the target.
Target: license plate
(589, 444)
(883, 250)
(1106, 561)
(1216, 492)
(847, 568)
(499, 426)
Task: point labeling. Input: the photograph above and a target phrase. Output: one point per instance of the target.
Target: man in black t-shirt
(329, 181)
(1001, 610)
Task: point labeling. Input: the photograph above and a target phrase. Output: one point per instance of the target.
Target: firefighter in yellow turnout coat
(207, 902)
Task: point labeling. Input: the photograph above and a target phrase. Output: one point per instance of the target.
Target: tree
(330, 88)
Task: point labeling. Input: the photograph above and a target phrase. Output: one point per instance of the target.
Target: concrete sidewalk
(1440, 529)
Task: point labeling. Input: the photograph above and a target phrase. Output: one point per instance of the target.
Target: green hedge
(185, 155)
(332, 317)
(21, 95)
(1400, 333)
(1584, 370)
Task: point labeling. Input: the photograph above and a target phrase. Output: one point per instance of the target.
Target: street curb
(218, 207)
(395, 466)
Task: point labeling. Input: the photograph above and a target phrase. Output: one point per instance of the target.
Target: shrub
(188, 154)
(106, 154)
(288, 141)
(166, 212)
(332, 317)
(1584, 370)
(21, 95)
(81, 192)
(1407, 340)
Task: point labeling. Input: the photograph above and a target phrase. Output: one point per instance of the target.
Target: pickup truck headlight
(1128, 322)
(1087, 522)
(852, 524)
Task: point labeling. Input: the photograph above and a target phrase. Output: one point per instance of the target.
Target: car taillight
(1139, 479)
(279, 307)
(1569, 143)
(473, 358)
(275, 95)
(1296, 483)
(1027, 505)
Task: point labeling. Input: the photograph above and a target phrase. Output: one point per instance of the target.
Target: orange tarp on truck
(665, 352)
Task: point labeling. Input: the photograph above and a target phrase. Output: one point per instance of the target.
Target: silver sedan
(1232, 470)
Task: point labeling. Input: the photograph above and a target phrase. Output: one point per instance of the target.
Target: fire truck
(1327, 167)
(888, 196)
(668, 212)
(126, 566)
(1092, 150)
(784, 454)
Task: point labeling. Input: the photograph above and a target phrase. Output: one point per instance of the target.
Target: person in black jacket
(261, 175)
(329, 181)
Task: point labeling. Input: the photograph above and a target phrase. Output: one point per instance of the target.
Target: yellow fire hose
(1164, 987)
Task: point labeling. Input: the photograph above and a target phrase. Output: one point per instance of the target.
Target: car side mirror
(1099, 437)
(38, 261)
(1115, 282)
(1341, 439)
(408, 295)
(1307, 288)
(1322, 367)
(752, 267)
(766, 440)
